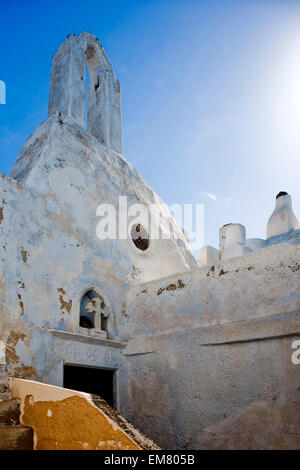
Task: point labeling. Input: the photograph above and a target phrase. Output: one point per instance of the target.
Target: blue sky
(210, 93)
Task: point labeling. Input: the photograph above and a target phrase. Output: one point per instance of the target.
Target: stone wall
(209, 354)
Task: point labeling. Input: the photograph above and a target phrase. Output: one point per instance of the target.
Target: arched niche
(93, 312)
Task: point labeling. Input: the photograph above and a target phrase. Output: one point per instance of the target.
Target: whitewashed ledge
(68, 335)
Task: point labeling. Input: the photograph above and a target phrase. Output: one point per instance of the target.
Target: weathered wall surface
(50, 254)
(45, 269)
(63, 161)
(240, 395)
(248, 287)
(209, 359)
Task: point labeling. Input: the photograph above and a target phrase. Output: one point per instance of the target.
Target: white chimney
(232, 239)
(283, 218)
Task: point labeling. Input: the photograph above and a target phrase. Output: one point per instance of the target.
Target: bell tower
(68, 89)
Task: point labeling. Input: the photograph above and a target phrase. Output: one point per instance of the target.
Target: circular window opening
(140, 237)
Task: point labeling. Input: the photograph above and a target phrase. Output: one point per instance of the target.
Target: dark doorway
(91, 380)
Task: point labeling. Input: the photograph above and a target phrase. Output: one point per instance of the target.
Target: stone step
(16, 438)
(9, 412)
(4, 388)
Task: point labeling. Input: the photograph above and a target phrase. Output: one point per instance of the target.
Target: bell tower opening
(91, 98)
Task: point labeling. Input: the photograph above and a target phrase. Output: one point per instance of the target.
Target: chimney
(283, 218)
(232, 240)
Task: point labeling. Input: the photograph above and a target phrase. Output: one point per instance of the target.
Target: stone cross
(95, 307)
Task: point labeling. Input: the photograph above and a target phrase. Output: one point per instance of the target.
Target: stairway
(13, 436)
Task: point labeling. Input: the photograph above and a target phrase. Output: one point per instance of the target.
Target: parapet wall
(247, 287)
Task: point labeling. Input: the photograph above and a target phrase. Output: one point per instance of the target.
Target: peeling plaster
(64, 305)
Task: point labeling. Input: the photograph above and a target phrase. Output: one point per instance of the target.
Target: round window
(140, 237)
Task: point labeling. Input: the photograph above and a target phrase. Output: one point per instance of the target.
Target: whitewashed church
(197, 354)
